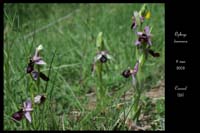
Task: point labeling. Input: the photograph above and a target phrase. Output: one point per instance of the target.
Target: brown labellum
(154, 54)
(126, 73)
(44, 77)
(17, 116)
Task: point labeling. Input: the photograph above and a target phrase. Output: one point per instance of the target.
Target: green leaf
(143, 10)
(141, 60)
(99, 40)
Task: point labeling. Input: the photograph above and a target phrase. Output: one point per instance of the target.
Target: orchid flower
(131, 72)
(144, 37)
(36, 59)
(102, 56)
(39, 99)
(137, 20)
(25, 111)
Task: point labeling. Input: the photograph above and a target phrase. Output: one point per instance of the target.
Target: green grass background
(74, 40)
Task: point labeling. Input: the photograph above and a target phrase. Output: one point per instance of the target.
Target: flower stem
(38, 79)
(100, 86)
(100, 90)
